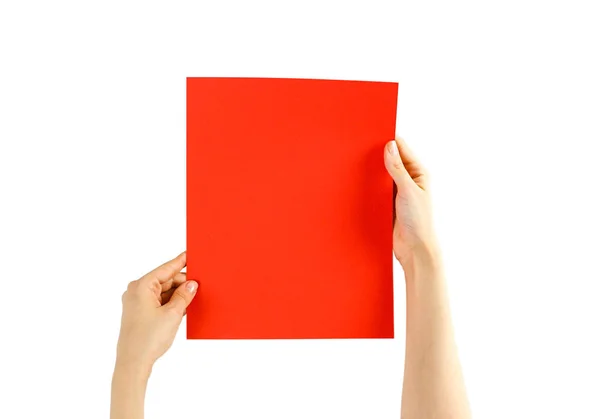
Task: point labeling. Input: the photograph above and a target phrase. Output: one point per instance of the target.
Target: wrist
(131, 370)
(424, 256)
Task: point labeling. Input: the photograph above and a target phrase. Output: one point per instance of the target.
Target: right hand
(413, 226)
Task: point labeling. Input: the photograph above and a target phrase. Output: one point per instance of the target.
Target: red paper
(289, 208)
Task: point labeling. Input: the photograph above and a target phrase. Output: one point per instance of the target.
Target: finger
(177, 280)
(394, 204)
(182, 297)
(168, 288)
(394, 165)
(167, 270)
(146, 292)
(166, 296)
(412, 165)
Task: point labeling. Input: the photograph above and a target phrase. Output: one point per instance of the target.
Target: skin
(433, 382)
(154, 305)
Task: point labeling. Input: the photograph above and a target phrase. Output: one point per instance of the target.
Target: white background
(500, 99)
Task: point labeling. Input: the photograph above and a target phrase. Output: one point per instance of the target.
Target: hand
(413, 227)
(153, 307)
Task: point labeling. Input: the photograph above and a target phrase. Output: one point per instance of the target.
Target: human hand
(413, 227)
(153, 307)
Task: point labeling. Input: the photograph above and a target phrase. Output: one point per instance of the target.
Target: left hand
(153, 307)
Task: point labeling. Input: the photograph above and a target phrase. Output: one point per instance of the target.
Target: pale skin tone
(154, 305)
(433, 383)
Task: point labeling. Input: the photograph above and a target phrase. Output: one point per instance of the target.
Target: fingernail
(392, 148)
(191, 286)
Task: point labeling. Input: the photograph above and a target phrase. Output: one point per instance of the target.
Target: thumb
(182, 297)
(394, 164)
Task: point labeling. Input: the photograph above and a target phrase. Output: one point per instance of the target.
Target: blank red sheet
(289, 208)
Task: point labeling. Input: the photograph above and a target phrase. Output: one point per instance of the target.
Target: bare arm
(153, 307)
(128, 392)
(433, 383)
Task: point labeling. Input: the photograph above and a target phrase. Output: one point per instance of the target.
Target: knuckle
(397, 164)
(178, 294)
(131, 288)
(175, 310)
(156, 287)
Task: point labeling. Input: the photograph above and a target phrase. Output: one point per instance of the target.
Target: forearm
(128, 391)
(433, 382)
